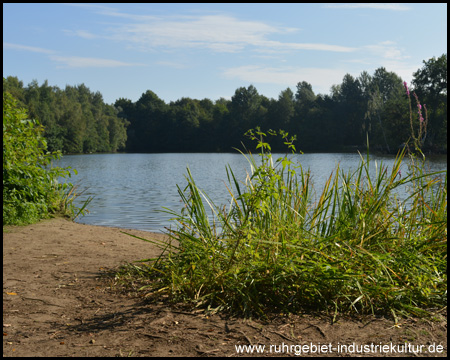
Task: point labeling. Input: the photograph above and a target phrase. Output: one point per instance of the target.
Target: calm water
(131, 189)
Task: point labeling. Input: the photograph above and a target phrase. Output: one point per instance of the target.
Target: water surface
(131, 189)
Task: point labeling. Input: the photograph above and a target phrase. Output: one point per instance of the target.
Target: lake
(130, 190)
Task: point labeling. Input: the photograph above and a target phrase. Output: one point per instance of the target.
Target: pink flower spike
(406, 87)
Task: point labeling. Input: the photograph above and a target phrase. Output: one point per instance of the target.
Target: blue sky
(209, 50)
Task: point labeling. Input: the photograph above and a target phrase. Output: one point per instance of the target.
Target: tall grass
(280, 245)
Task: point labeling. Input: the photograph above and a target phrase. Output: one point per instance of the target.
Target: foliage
(77, 120)
(279, 246)
(368, 105)
(430, 83)
(30, 188)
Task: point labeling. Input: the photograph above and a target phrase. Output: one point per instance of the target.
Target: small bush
(30, 187)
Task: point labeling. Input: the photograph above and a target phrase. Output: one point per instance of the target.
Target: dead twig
(318, 328)
(246, 337)
(153, 336)
(201, 352)
(44, 301)
(282, 335)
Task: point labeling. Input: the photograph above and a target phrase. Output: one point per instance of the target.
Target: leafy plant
(30, 187)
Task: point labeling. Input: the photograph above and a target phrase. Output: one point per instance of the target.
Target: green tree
(116, 128)
(386, 89)
(430, 84)
(323, 116)
(365, 81)
(186, 116)
(245, 113)
(125, 112)
(207, 130)
(352, 109)
(14, 86)
(300, 123)
(431, 79)
(396, 118)
(150, 128)
(220, 120)
(75, 119)
(305, 94)
(73, 122)
(285, 108)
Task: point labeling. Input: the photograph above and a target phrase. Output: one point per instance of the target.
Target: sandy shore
(56, 303)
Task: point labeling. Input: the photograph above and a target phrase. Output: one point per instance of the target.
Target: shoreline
(157, 232)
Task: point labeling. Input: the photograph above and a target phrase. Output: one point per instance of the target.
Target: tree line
(75, 119)
(374, 107)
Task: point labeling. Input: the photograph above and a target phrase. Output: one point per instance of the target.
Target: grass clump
(280, 246)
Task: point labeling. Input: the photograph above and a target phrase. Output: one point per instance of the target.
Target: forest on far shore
(377, 107)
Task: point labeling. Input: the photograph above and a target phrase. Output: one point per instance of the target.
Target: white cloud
(71, 61)
(83, 62)
(110, 11)
(81, 33)
(381, 54)
(218, 33)
(27, 48)
(386, 50)
(172, 64)
(277, 45)
(376, 6)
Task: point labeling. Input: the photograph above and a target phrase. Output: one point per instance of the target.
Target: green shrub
(30, 186)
